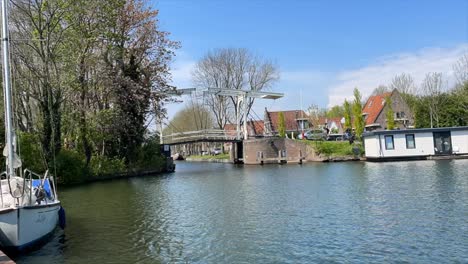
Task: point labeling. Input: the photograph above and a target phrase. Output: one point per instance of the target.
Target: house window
(402, 114)
(397, 115)
(389, 143)
(410, 143)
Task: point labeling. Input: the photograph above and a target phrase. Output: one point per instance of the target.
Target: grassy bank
(335, 148)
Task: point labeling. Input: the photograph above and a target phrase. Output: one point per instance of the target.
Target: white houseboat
(424, 143)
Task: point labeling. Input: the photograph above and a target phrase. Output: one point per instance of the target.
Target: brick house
(375, 110)
(295, 121)
(254, 128)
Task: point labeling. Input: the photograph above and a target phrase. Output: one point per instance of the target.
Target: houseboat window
(389, 143)
(410, 143)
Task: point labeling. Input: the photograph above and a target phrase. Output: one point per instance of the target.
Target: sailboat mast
(7, 89)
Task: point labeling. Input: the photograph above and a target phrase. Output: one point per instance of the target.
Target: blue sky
(324, 48)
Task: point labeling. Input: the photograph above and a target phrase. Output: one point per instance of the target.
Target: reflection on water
(321, 212)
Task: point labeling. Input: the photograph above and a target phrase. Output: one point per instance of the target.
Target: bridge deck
(207, 135)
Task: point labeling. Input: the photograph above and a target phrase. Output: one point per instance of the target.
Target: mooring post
(260, 157)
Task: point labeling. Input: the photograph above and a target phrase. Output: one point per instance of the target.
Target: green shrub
(149, 155)
(71, 167)
(335, 148)
(30, 151)
(102, 165)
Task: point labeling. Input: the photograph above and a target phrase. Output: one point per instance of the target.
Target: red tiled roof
(256, 129)
(374, 106)
(290, 119)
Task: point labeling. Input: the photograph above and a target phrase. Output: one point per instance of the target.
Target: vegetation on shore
(335, 148)
(87, 83)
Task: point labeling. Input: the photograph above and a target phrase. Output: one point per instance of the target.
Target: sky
(323, 49)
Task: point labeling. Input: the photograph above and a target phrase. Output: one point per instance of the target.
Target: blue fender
(62, 221)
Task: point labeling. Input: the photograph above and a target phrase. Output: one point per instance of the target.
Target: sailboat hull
(24, 227)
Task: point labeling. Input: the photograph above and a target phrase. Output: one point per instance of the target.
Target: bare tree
(209, 72)
(316, 115)
(235, 69)
(460, 70)
(380, 90)
(432, 87)
(404, 83)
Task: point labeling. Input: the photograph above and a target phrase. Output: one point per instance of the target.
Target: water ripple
(402, 212)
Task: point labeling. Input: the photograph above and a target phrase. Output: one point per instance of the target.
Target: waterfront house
(294, 120)
(375, 110)
(334, 125)
(421, 143)
(254, 128)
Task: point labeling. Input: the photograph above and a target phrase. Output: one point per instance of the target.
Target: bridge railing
(207, 135)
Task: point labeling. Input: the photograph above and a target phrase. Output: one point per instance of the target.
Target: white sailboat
(29, 206)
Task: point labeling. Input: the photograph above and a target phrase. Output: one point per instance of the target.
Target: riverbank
(168, 167)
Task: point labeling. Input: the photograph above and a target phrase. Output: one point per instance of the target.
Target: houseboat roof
(414, 130)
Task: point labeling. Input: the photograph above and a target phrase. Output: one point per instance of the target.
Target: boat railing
(31, 175)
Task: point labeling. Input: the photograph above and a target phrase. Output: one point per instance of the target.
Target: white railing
(200, 135)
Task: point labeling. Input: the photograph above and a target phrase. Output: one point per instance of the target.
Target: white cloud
(182, 73)
(416, 64)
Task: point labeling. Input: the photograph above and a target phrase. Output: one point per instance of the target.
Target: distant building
(374, 112)
(334, 125)
(295, 121)
(254, 128)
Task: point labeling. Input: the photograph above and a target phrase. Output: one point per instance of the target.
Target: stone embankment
(283, 150)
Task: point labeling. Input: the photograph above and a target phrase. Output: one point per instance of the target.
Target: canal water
(351, 212)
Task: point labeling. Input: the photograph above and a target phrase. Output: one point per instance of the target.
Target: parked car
(313, 135)
(216, 151)
(335, 137)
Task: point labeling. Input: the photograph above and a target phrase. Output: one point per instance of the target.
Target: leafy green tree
(453, 111)
(347, 114)
(389, 113)
(281, 125)
(191, 118)
(357, 113)
(335, 111)
(90, 87)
